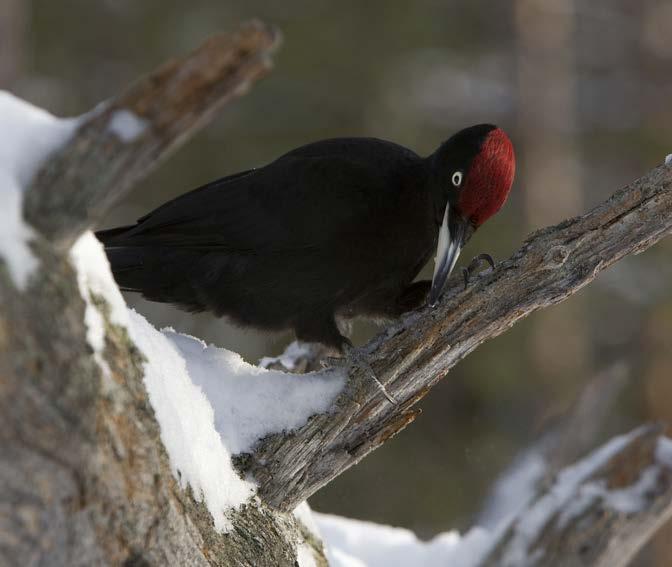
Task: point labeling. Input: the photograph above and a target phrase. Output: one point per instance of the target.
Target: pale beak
(453, 234)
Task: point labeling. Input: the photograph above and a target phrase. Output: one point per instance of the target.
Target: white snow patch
(289, 358)
(15, 233)
(566, 487)
(624, 500)
(28, 135)
(664, 451)
(354, 543)
(305, 556)
(668, 159)
(211, 404)
(305, 515)
(576, 507)
(514, 490)
(127, 126)
(94, 275)
(94, 278)
(634, 498)
(197, 455)
(251, 402)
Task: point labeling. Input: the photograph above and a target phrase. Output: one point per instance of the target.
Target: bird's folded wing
(297, 203)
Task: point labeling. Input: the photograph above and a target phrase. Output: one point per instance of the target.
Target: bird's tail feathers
(110, 235)
(128, 267)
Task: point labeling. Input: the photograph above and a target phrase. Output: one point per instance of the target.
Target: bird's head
(471, 176)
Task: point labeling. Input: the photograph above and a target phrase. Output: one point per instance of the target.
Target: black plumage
(337, 228)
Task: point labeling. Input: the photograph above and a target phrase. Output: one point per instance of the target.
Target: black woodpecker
(332, 230)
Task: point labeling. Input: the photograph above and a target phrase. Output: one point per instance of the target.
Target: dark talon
(482, 258)
(471, 268)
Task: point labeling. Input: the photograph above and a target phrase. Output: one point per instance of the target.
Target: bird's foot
(474, 264)
(356, 359)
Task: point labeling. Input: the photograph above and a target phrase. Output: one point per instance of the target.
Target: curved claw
(471, 268)
(483, 258)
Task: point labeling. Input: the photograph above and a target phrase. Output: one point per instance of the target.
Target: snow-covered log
(116, 440)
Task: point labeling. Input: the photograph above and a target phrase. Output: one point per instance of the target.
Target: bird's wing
(310, 198)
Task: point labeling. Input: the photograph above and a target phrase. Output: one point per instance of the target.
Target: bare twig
(413, 355)
(124, 139)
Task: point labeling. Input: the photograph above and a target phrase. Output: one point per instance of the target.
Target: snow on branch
(123, 139)
(598, 511)
(29, 136)
(412, 355)
(210, 404)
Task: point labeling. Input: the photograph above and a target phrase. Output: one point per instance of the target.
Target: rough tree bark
(84, 478)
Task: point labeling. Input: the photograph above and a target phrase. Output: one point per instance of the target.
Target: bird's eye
(457, 178)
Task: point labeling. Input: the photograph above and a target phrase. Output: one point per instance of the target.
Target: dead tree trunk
(84, 478)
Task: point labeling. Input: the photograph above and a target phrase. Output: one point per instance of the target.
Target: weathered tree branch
(598, 512)
(412, 355)
(125, 138)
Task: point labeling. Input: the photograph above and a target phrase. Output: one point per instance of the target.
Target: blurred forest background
(583, 88)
